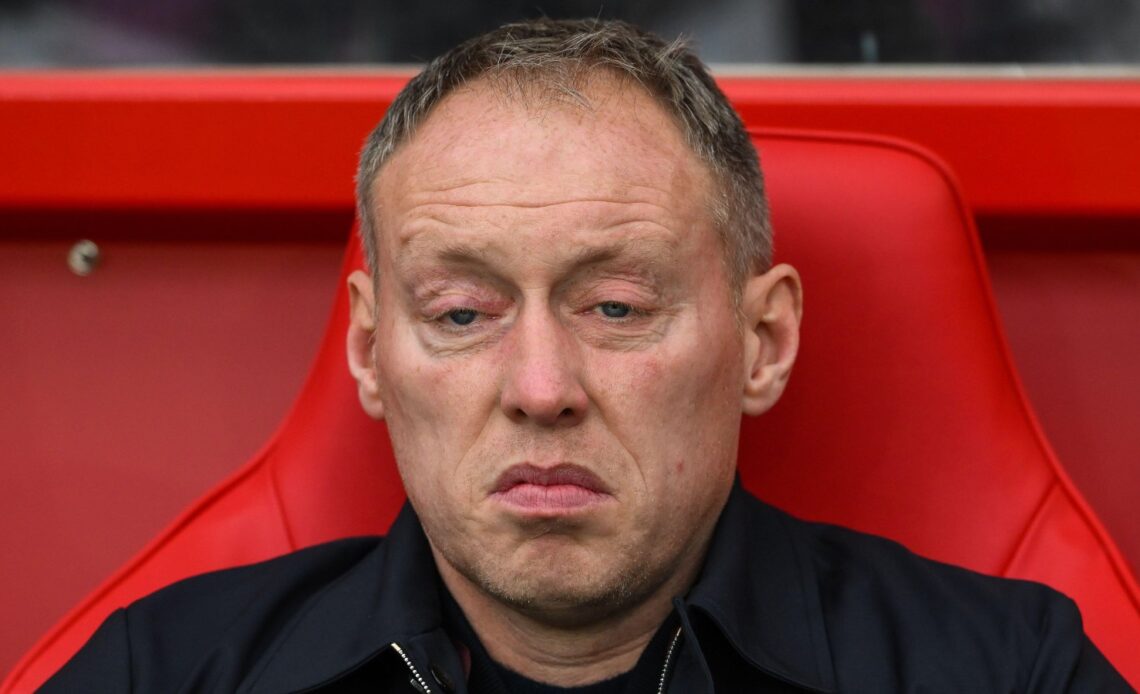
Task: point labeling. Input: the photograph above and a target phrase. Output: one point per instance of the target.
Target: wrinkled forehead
(528, 143)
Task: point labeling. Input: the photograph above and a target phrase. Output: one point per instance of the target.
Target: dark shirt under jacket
(489, 677)
(781, 606)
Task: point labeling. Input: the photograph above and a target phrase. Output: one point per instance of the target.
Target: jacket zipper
(668, 661)
(415, 673)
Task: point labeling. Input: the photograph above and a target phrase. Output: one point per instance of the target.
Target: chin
(568, 589)
(566, 603)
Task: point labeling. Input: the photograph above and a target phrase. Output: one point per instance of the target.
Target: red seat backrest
(904, 416)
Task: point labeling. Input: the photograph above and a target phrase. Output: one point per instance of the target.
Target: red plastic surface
(1045, 146)
(904, 416)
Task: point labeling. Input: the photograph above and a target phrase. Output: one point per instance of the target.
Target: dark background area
(81, 33)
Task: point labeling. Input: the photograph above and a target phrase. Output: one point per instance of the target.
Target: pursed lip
(554, 489)
(563, 473)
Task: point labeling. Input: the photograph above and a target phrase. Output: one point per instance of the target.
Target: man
(571, 304)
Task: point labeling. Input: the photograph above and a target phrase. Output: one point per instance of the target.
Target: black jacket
(781, 606)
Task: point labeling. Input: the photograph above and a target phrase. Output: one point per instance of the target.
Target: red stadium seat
(904, 418)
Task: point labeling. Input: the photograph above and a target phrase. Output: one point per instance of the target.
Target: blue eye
(614, 309)
(463, 316)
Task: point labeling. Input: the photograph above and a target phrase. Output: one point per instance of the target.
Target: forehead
(486, 145)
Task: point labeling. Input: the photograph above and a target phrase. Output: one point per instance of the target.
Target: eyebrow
(642, 252)
(645, 252)
(448, 253)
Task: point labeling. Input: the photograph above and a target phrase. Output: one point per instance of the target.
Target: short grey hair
(556, 54)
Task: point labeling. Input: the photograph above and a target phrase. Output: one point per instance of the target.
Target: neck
(547, 649)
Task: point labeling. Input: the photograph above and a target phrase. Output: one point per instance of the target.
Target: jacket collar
(757, 587)
(391, 595)
(760, 590)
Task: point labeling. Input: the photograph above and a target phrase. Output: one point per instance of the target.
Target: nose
(542, 381)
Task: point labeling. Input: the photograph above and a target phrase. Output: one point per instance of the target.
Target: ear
(362, 342)
(772, 304)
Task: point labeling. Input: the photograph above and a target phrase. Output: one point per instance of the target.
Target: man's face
(557, 353)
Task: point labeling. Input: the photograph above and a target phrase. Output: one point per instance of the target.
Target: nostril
(567, 411)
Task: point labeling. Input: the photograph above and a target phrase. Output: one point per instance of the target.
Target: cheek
(679, 413)
(435, 410)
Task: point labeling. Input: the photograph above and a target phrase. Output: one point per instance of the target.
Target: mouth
(556, 490)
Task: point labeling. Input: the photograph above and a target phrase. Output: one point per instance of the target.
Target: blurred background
(80, 33)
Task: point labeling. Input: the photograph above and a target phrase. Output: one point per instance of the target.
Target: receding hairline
(559, 52)
(584, 89)
(542, 92)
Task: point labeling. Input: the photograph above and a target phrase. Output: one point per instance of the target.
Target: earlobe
(361, 343)
(772, 304)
